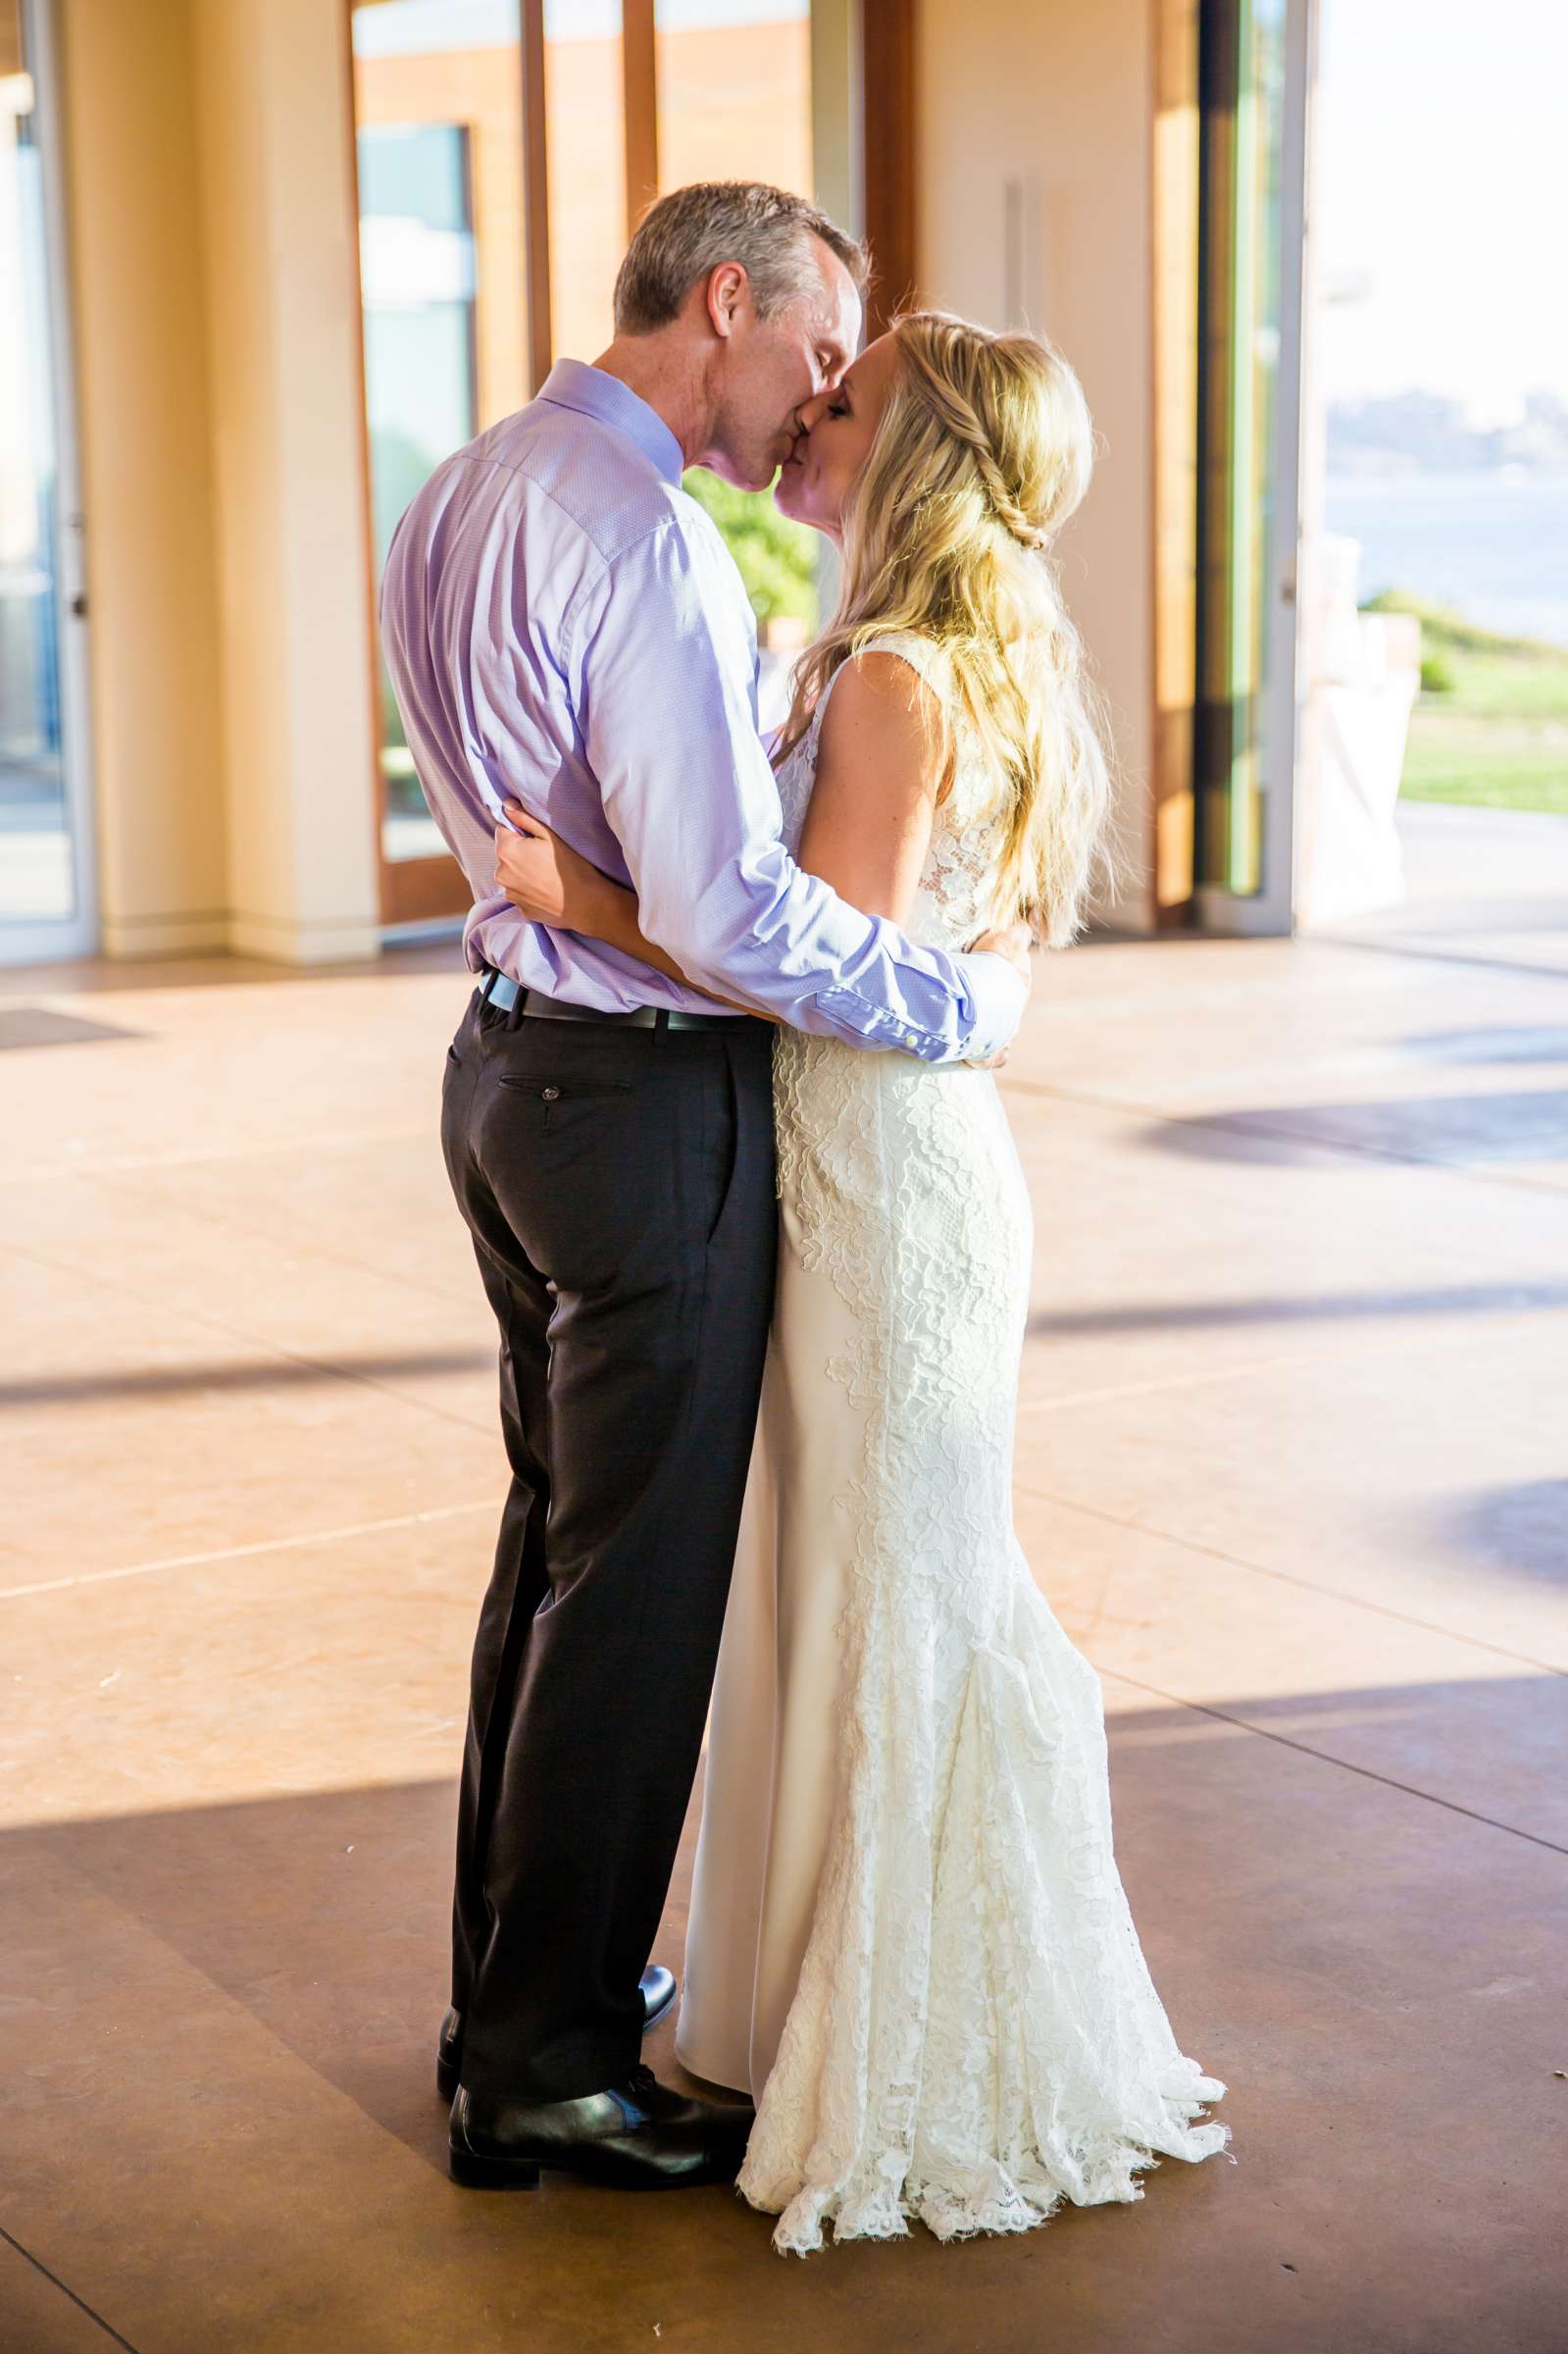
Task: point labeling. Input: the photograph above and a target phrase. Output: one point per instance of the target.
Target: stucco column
(208, 152)
(279, 229)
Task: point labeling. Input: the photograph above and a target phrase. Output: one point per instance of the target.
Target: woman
(909, 1934)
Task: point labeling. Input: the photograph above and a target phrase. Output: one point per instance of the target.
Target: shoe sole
(490, 2173)
(446, 2070)
(474, 2172)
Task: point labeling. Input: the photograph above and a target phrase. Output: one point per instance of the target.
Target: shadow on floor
(1527, 1126)
(104, 976)
(325, 1915)
(1517, 1041)
(23, 1026)
(1522, 1529)
(272, 1372)
(1324, 1307)
(1318, 1935)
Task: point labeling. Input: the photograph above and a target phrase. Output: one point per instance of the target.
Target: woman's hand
(543, 879)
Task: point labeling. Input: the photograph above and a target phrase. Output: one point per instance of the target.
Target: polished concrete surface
(1292, 1468)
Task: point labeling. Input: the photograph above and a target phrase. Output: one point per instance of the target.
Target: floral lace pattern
(975, 2036)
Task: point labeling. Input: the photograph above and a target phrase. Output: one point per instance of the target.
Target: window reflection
(37, 855)
(437, 95)
(444, 245)
(1242, 129)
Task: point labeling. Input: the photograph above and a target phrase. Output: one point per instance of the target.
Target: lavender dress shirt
(565, 626)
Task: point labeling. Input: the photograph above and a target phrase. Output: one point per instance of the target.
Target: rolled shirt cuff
(999, 993)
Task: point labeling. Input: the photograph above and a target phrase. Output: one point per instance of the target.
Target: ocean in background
(1491, 544)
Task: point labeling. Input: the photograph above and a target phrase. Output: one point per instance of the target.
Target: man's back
(491, 589)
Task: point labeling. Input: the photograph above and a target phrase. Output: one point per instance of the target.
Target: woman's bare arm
(878, 772)
(551, 883)
(882, 766)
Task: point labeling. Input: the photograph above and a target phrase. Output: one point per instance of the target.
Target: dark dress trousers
(618, 1183)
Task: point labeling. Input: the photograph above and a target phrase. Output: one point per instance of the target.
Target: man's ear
(728, 285)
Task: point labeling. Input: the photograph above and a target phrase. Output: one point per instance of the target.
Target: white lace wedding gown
(908, 1935)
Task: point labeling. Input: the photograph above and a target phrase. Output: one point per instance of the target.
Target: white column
(278, 230)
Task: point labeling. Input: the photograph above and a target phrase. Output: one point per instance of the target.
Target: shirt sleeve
(660, 651)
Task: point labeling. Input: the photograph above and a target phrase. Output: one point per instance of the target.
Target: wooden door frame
(1174, 194)
(430, 890)
(434, 888)
(38, 939)
(640, 107)
(886, 101)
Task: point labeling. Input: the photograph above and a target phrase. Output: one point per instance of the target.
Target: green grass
(1499, 738)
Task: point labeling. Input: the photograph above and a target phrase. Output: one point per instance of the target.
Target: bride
(909, 1934)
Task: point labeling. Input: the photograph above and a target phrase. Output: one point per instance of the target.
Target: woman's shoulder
(969, 792)
(912, 646)
(896, 670)
(888, 685)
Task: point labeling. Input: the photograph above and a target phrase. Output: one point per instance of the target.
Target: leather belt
(501, 991)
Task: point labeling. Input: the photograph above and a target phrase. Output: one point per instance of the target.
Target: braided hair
(981, 453)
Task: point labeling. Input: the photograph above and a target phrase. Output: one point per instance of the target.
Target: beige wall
(215, 296)
(1057, 99)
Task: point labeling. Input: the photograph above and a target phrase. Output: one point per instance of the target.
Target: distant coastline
(1486, 542)
(1426, 433)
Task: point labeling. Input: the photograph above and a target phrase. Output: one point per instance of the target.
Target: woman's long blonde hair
(984, 450)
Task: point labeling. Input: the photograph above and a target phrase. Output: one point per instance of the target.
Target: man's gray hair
(692, 230)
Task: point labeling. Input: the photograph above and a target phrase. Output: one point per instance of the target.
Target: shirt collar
(572, 385)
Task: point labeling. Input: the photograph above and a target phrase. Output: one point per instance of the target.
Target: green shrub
(1441, 626)
(1438, 674)
(776, 558)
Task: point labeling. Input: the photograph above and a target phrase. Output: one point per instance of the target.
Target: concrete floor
(1292, 1468)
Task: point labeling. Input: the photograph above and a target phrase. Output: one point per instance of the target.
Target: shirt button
(551, 1094)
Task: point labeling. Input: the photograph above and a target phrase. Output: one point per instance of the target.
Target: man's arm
(878, 773)
(660, 659)
(557, 887)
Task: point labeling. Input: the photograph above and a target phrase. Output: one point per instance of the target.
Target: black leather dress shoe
(637, 2135)
(658, 1993)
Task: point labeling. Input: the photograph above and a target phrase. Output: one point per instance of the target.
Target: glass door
(506, 150)
(1252, 63)
(438, 107)
(47, 906)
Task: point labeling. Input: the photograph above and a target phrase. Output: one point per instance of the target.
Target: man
(564, 627)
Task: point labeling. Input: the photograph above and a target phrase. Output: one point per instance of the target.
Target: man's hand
(1013, 944)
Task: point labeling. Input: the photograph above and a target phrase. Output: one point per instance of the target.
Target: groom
(563, 626)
